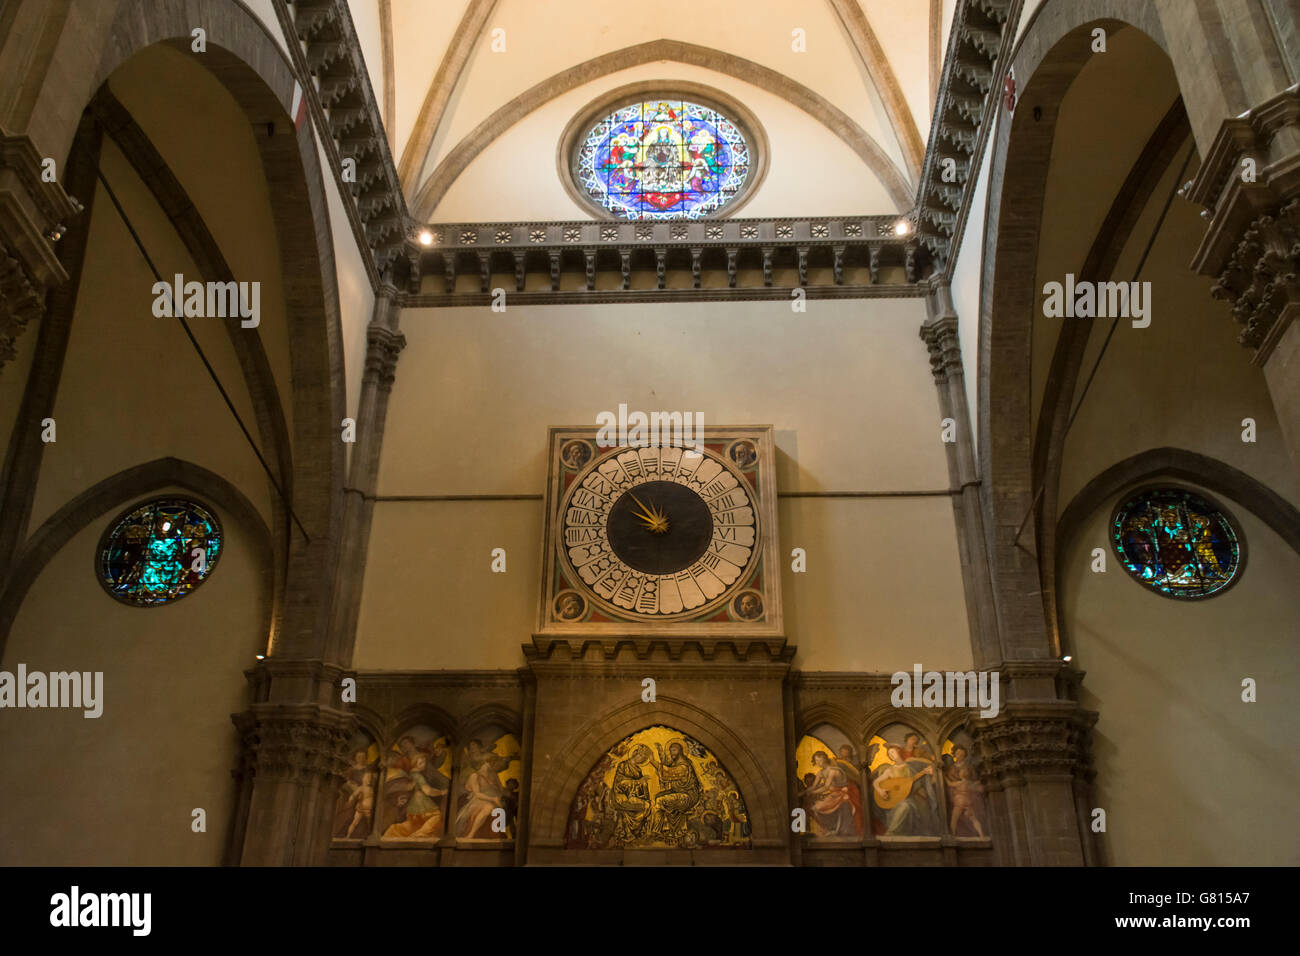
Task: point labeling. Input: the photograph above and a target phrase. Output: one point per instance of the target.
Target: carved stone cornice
(1252, 244)
(978, 43)
(383, 346)
(293, 742)
(626, 250)
(33, 215)
(1047, 738)
(323, 43)
(614, 656)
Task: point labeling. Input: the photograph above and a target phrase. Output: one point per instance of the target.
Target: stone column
(939, 332)
(1250, 184)
(292, 764)
(383, 345)
(1037, 765)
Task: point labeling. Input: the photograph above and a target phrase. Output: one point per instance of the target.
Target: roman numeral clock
(670, 539)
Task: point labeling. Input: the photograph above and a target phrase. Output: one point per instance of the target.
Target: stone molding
(630, 249)
(323, 44)
(978, 45)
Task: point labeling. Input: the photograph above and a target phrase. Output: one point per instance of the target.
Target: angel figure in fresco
(905, 801)
(423, 806)
(834, 799)
(483, 792)
(965, 793)
(356, 800)
(680, 790)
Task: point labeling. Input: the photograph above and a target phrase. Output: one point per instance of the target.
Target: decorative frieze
(817, 251)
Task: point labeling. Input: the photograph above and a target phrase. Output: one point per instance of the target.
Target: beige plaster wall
(119, 789)
(138, 373)
(477, 390)
(811, 172)
(1188, 774)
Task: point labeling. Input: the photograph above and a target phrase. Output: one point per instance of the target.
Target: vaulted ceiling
(475, 94)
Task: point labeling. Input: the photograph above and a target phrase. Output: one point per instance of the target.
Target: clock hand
(646, 514)
(652, 518)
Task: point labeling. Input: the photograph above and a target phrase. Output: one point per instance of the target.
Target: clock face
(660, 532)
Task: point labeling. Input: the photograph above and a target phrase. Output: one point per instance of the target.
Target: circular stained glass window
(159, 551)
(662, 158)
(1177, 543)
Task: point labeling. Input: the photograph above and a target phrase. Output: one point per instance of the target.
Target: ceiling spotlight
(261, 657)
(1067, 658)
(426, 237)
(902, 227)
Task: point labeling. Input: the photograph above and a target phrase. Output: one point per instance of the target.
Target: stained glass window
(1176, 543)
(663, 159)
(159, 551)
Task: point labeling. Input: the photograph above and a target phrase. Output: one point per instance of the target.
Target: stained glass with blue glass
(663, 159)
(1176, 543)
(159, 552)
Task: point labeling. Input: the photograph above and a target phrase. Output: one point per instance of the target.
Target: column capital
(383, 346)
(295, 742)
(1250, 186)
(941, 339)
(1038, 738)
(34, 214)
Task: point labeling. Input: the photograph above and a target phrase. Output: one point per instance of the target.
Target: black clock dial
(659, 531)
(639, 546)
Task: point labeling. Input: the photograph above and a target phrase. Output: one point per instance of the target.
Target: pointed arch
(836, 120)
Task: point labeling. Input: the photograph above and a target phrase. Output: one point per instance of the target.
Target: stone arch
(1052, 51)
(430, 715)
(825, 712)
(553, 793)
(114, 492)
(488, 715)
(1178, 463)
(838, 122)
(242, 55)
